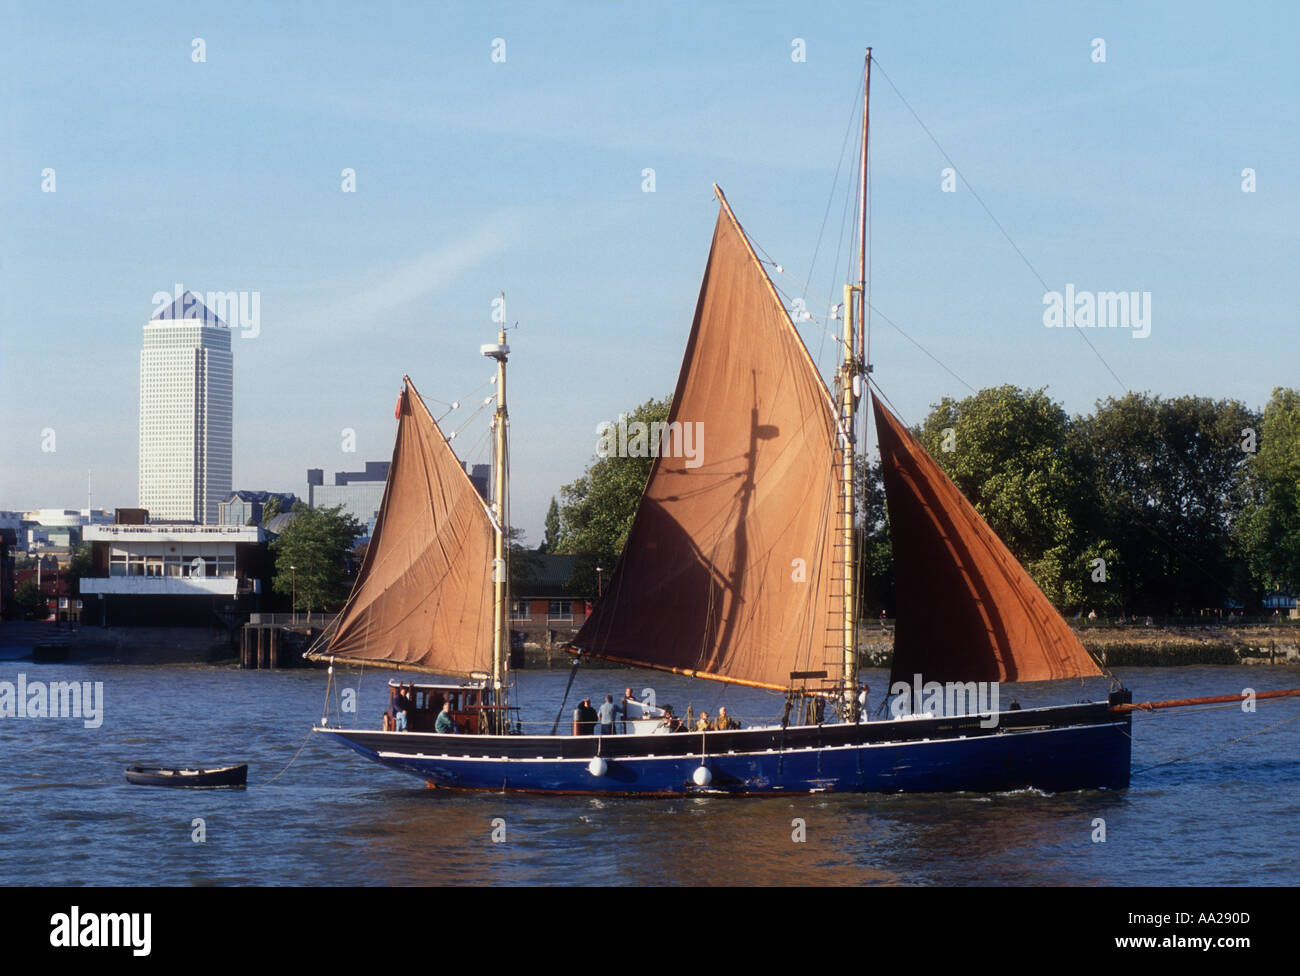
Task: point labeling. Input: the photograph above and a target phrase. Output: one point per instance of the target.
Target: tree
(81, 564)
(1011, 453)
(318, 543)
(30, 602)
(874, 543)
(599, 507)
(1269, 530)
(1170, 478)
(271, 508)
(552, 525)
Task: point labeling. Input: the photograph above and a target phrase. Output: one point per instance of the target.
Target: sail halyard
(726, 572)
(423, 598)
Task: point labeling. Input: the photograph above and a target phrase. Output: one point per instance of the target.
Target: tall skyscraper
(186, 407)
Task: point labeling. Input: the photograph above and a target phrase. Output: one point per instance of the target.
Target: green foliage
(30, 602)
(317, 542)
(598, 508)
(1163, 496)
(1270, 526)
(270, 509)
(1169, 475)
(81, 564)
(552, 526)
(1010, 452)
(874, 544)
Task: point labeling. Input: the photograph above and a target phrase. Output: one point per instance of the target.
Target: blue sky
(475, 177)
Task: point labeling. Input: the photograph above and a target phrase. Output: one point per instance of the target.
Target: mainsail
(423, 599)
(729, 567)
(966, 609)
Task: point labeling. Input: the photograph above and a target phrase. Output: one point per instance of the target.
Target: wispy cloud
(427, 274)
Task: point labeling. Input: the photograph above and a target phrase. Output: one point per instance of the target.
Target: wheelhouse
(472, 707)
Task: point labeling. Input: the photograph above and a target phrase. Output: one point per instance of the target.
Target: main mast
(500, 494)
(852, 371)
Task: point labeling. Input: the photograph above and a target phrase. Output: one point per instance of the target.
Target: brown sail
(967, 610)
(423, 599)
(728, 569)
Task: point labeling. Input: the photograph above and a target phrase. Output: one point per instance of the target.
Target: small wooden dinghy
(226, 777)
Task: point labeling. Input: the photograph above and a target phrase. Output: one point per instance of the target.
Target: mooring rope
(291, 761)
(1169, 760)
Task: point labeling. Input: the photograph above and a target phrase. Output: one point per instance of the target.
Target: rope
(980, 200)
(573, 671)
(291, 761)
(1170, 760)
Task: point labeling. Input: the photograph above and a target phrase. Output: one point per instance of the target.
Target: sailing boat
(739, 567)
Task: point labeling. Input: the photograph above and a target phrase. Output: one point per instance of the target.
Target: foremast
(851, 385)
(500, 351)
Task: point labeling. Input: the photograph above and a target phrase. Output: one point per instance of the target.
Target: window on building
(520, 610)
(560, 610)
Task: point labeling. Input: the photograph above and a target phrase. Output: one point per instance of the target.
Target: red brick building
(552, 600)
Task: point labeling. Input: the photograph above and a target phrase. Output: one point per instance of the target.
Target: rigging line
(849, 199)
(1222, 745)
(888, 402)
(452, 405)
(839, 340)
(360, 675)
(858, 205)
(815, 319)
(932, 356)
(472, 417)
(980, 200)
(291, 761)
(866, 285)
(830, 199)
(477, 449)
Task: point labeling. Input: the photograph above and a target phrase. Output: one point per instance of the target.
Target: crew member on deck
(626, 712)
(585, 717)
(445, 723)
(725, 721)
(606, 711)
(863, 714)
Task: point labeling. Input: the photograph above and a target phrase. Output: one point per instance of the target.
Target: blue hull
(1054, 758)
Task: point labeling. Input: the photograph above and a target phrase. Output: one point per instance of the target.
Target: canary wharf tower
(186, 406)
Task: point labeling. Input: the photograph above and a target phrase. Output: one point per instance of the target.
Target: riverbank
(1142, 646)
(1127, 646)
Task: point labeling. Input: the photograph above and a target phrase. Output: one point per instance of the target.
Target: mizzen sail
(728, 571)
(423, 599)
(966, 609)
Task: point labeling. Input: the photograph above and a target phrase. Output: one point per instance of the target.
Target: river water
(1230, 816)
